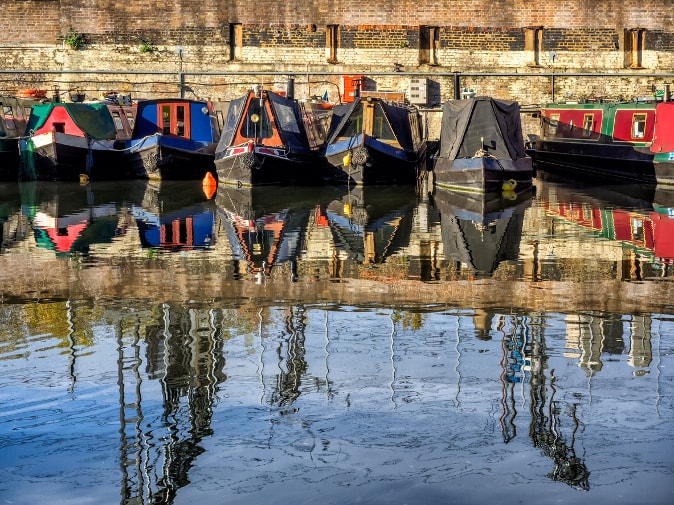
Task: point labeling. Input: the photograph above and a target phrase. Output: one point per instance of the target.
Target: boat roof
(93, 119)
(481, 123)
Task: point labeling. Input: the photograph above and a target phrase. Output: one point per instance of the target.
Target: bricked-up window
(235, 41)
(429, 43)
(634, 47)
(533, 45)
(331, 42)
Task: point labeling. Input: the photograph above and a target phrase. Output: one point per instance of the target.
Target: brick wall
(378, 36)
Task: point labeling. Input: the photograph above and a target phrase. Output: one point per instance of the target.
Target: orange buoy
(209, 185)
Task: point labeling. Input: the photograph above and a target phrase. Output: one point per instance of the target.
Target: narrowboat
(376, 141)
(172, 139)
(610, 141)
(69, 141)
(481, 147)
(14, 114)
(270, 139)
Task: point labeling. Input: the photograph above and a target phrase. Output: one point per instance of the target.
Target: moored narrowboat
(173, 139)
(614, 141)
(481, 147)
(376, 141)
(68, 141)
(270, 139)
(14, 114)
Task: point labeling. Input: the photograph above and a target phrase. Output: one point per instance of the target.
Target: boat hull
(153, 159)
(63, 157)
(369, 161)
(263, 166)
(9, 159)
(602, 161)
(483, 174)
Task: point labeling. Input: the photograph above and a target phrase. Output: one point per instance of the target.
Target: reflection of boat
(272, 139)
(626, 213)
(625, 141)
(175, 216)
(481, 231)
(10, 204)
(267, 227)
(481, 147)
(173, 138)
(374, 141)
(68, 140)
(69, 218)
(14, 113)
(371, 223)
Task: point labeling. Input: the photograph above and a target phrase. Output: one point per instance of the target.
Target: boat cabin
(607, 122)
(176, 118)
(375, 118)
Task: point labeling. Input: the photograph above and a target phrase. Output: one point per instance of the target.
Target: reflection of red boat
(651, 233)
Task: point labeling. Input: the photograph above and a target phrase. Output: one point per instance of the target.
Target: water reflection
(479, 231)
(262, 342)
(175, 216)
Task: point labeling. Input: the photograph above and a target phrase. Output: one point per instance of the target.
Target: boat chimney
(290, 91)
(666, 97)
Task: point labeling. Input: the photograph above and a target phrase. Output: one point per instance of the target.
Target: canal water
(164, 343)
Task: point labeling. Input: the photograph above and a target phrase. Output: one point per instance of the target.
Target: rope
(481, 153)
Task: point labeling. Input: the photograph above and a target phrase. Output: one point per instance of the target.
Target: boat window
(588, 120)
(286, 118)
(129, 117)
(117, 120)
(553, 122)
(638, 126)
(166, 119)
(7, 110)
(60, 127)
(256, 124)
(354, 126)
(381, 129)
(180, 120)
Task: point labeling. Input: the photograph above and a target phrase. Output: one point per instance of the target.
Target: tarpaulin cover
(93, 119)
(481, 123)
(663, 140)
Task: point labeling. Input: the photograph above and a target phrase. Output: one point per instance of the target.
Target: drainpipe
(290, 90)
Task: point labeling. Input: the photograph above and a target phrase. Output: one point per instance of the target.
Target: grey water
(161, 343)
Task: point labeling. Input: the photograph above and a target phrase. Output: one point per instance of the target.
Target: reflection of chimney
(482, 322)
(640, 354)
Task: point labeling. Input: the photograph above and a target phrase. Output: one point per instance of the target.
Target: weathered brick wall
(290, 37)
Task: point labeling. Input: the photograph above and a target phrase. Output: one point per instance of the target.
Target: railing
(178, 78)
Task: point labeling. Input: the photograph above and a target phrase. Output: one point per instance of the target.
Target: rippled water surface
(160, 344)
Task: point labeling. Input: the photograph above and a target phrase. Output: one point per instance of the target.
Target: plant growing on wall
(147, 46)
(73, 39)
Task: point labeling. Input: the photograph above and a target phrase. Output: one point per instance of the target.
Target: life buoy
(32, 93)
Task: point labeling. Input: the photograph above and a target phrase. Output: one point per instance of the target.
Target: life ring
(32, 93)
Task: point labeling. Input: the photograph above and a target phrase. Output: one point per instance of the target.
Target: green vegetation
(73, 39)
